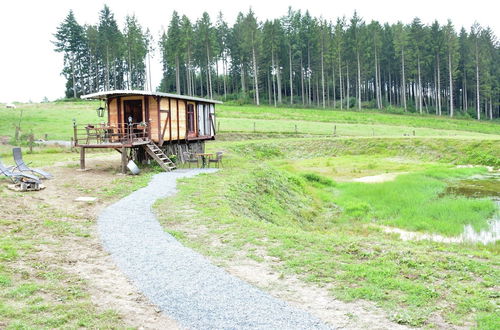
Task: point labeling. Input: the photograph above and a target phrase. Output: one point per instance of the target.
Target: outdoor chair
(21, 165)
(190, 158)
(217, 160)
(93, 133)
(17, 177)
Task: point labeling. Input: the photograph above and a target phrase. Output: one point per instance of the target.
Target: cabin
(144, 125)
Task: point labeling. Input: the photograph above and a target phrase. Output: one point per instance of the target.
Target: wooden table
(204, 157)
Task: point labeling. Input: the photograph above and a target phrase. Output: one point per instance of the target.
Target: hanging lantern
(100, 111)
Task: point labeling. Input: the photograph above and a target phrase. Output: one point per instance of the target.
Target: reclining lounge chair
(21, 165)
(18, 177)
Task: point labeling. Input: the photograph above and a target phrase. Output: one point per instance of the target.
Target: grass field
(55, 121)
(285, 192)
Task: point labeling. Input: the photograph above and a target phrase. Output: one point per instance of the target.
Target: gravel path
(184, 284)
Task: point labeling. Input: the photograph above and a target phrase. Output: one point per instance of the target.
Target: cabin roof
(106, 94)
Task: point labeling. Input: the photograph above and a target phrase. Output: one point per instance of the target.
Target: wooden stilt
(82, 158)
(124, 160)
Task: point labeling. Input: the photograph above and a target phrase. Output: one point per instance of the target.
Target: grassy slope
(55, 119)
(353, 117)
(247, 206)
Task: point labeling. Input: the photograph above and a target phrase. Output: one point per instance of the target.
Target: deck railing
(110, 134)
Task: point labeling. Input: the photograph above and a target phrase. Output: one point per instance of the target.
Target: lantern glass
(100, 112)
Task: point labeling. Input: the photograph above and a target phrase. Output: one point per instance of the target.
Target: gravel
(181, 282)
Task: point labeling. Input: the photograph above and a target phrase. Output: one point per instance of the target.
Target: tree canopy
(296, 59)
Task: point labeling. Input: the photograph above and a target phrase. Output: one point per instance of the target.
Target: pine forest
(293, 60)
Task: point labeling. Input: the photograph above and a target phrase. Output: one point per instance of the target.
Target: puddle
(478, 186)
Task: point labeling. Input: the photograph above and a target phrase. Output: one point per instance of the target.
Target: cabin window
(190, 118)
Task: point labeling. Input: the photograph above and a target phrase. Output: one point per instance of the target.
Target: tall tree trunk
(347, 87)
(278, 81)
(268, 88)
(341, 85)
(403, 83)
(377, 81)
(333, 80)
(107, 68)
(209, 74)
(359, 81)
(255, 77)
(224, 69)
(390, 89)
(464, 91)
(451, 83)
(302, 79)
(273, 71)
(491, 109)
(177, 75)
(419, 86)
(291, 73)
(73, 76)
(438, 91)
(477, 84)
(242, 76)
(309, 74)
(322, 79)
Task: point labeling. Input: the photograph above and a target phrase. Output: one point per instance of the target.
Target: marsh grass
(327, 232)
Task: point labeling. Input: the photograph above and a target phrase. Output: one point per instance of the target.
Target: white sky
(30, 69)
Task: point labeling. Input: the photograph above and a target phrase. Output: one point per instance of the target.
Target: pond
(480, 186)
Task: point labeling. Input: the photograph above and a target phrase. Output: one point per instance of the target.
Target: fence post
(30, 142)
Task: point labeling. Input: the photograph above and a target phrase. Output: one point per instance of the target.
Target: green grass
(53, 119)
(341, 129)
(282, 199)
(354, 117)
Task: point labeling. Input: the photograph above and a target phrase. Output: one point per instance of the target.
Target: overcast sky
(30, 69)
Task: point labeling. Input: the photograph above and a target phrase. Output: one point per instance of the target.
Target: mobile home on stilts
(143, 124)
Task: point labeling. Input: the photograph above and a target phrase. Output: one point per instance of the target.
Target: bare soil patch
(82, 255)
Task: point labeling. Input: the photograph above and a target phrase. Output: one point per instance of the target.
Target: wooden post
(124, 160)
(82, 158)
(31, 138)
(335, 130)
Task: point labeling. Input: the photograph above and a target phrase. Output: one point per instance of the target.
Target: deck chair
(21, 165)
(217, 160)
(190, 158)
(16, 177)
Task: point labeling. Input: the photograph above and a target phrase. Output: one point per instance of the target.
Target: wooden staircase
(159, 156)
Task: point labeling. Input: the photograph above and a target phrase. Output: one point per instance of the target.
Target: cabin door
(191, 120)
(132, 109)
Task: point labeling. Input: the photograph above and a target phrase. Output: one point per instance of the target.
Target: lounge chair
(217, 160)
(16, 177)
(21, 165)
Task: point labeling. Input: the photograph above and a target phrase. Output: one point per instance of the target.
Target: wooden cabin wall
(164, 120)
(113, 112)
(153, 118)
(182, 117)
